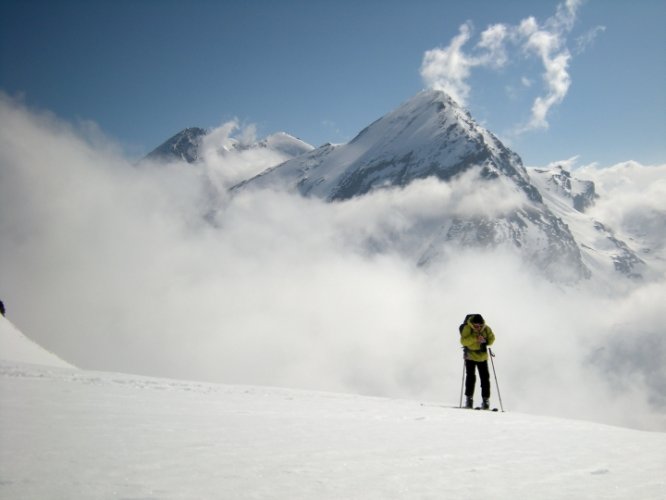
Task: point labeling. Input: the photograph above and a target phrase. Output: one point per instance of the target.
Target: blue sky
(322, 70)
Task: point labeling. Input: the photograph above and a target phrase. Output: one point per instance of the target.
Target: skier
(2, 308)
(476, 336)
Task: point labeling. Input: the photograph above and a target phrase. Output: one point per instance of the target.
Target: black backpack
(460, 328)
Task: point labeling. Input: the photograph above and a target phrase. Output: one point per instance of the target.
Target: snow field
(76, 434)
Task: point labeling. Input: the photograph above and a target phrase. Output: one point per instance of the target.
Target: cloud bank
(633, 202)
(449, 68)
(116, 267)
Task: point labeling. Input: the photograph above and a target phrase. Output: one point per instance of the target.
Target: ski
(456, 407)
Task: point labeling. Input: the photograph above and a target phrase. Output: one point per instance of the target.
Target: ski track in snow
(70, 434)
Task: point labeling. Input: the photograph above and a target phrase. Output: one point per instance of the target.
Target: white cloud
(227, 161)
(549, 44)
(587, 39)
(450, 68)
(633, 201)
(218, 138)
(557, 81)
(493, 42)
(114, 268)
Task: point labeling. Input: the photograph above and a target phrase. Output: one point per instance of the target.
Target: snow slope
(87, 435)
(603, 253)
(15, 346)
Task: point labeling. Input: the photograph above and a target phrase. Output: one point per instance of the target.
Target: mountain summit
(431, 136)
(183, 146)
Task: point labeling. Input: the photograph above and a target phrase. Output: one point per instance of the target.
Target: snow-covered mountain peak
(192, 144)
(429, 135)
(415, 123)
(580, 193)
(183, 146)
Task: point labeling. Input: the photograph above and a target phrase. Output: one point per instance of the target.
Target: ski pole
(499, 395)
(462, 385)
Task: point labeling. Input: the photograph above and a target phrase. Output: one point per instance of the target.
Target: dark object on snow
(475, 337)
(2, 308)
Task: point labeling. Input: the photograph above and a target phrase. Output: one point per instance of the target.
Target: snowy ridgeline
(74, 434)
(15, 346)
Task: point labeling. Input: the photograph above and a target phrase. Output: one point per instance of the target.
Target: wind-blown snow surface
(90, 435)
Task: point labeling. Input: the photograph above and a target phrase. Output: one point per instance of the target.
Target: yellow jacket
(469, 338)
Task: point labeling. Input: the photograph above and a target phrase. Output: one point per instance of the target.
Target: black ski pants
(470, 380)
